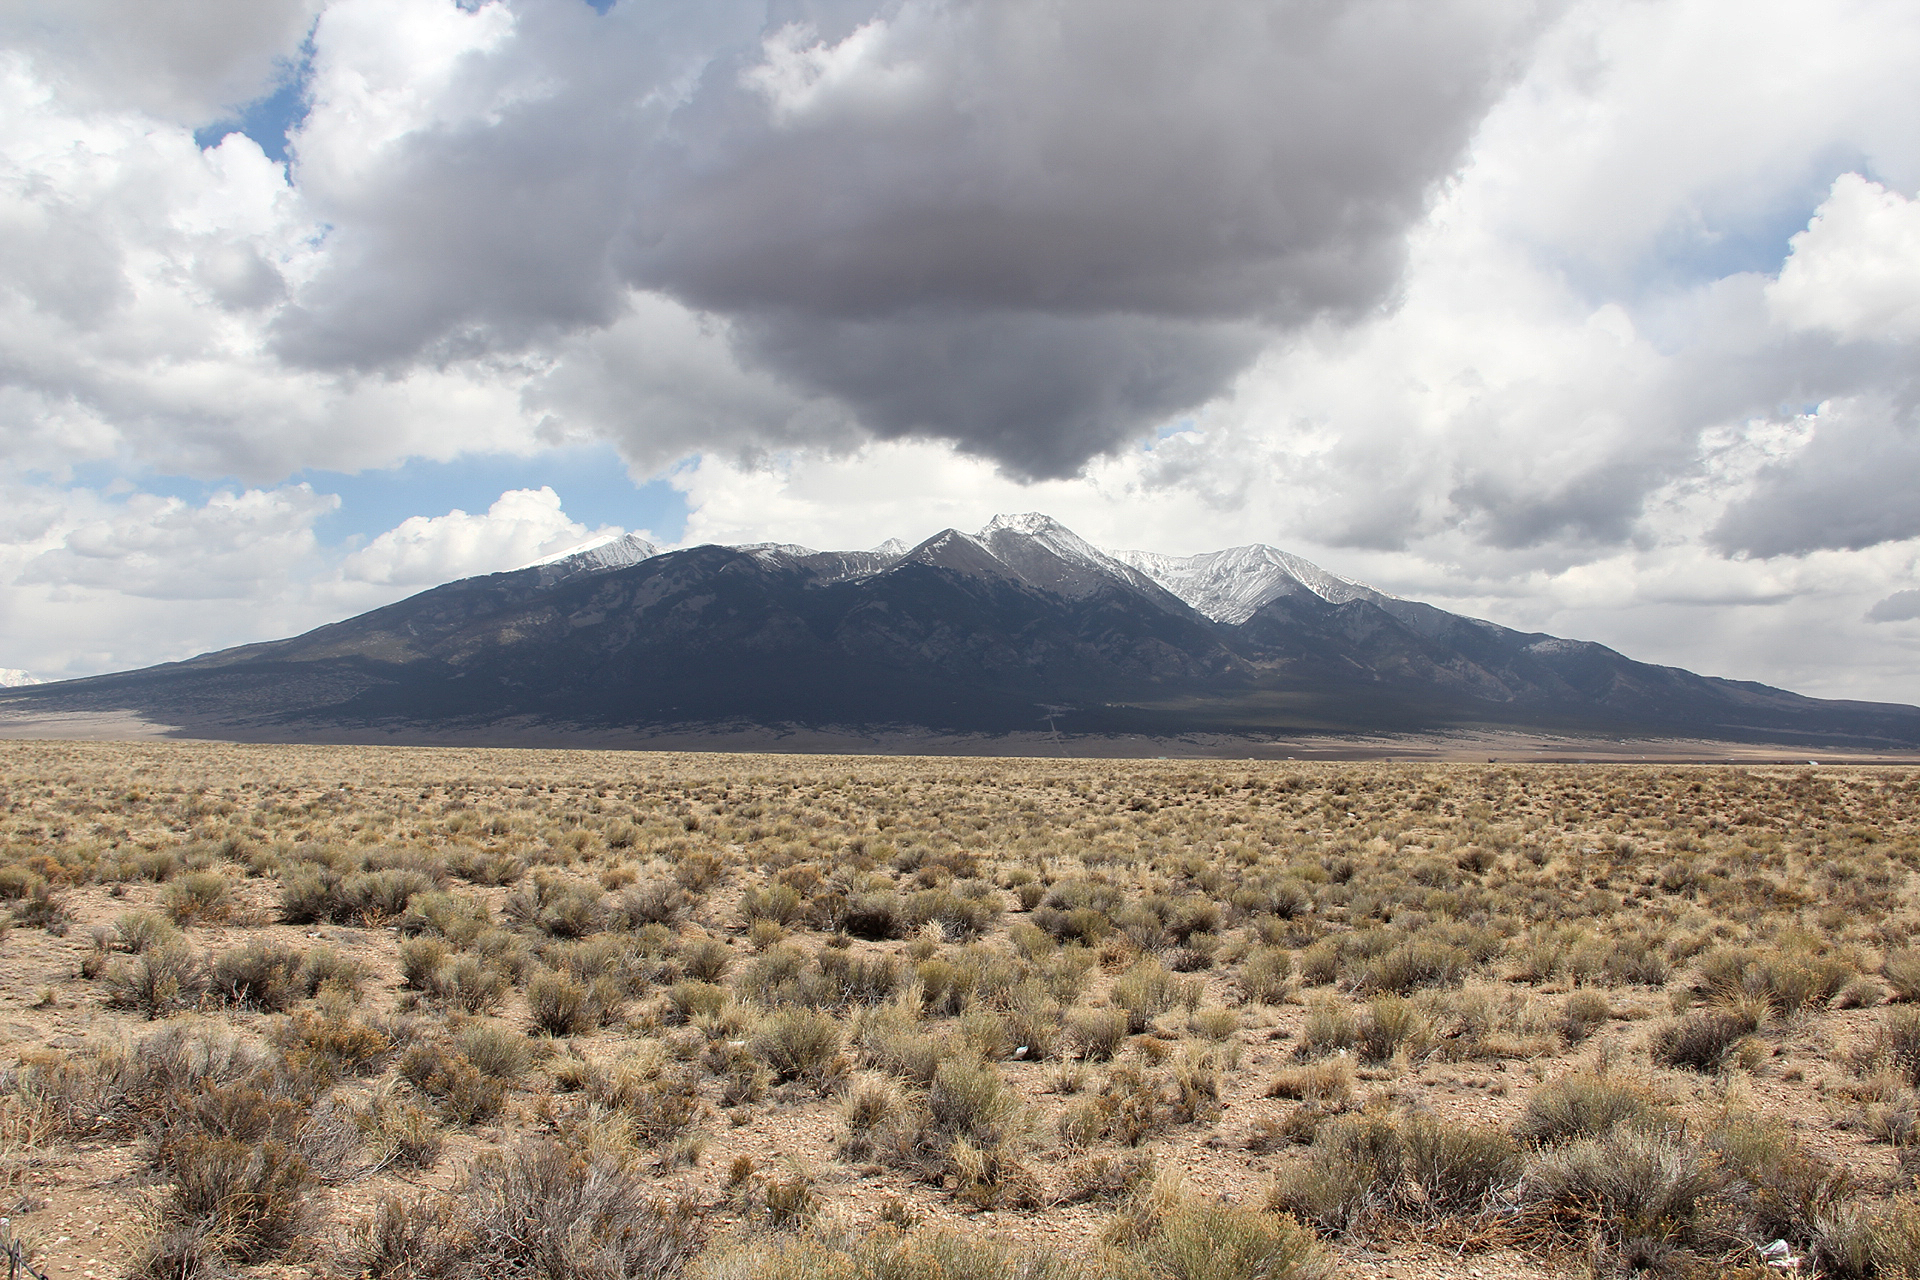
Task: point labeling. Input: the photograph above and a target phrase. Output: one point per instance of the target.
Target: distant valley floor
(1487, 746)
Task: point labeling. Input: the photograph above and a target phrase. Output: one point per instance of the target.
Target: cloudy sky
(1598, 317)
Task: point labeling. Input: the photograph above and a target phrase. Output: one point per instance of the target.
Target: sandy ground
(83, 726)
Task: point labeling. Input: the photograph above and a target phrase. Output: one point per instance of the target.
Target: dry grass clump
(1179, 1237)
(1456, 1168)
(559, 1004)
(1642, 1190)
(1161, 1236)
(197, 897)
(1706, 1039)
(967, 1124)
(336, 1045)
(328, 889)
(559, 905)
(1415, 963)
(156, 982)
(1392, 1026)
(1133, 1104)
(801, 1044)
(1583, 1106)
(463, 1093)
(1353, 1167)
(1788, 981)
(1901, 969)
(1632, 1187)
(535, 1209)
(397, 1131)
(220, 1127)
(265, 977)
(1330, 1081)
(886, 1254)
(138, 931)
(247, 1193)
(1096, 1034)
(651, 1100)
(1583, 1014)
(1330, 1027)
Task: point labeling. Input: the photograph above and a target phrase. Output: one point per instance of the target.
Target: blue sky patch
(1701, 246)
(269, 120)
(590, 479)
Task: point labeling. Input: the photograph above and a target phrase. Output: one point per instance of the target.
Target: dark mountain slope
(711, 633)
(1533, 678)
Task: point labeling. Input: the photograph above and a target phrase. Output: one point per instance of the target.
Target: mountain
(1022, 626)
(15, 678)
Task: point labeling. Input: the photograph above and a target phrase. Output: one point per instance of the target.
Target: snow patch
(1230, 586)
(608, 551)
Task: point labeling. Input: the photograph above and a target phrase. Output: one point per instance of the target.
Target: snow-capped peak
(1047, 531)
(1049, 555)
(606, 551)
(15, 678)
(768, 550)
(1229, 586)
(1010, 533)
(1029, 522)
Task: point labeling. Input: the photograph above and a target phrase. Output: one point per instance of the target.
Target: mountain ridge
(1020, 625)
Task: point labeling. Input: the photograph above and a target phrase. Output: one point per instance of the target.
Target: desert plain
(441, 1013)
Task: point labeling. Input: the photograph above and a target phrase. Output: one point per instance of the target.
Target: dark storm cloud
(1031, 227)
(1898, 607)
(1038, 393)
(1856, 484)
(186, 62)
(491, 237)
(489, 233)
(1205, 160)
(1598, 505)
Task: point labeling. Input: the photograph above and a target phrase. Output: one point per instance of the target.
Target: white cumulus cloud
(168, 549)
(1855, 270)
(522, 526)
